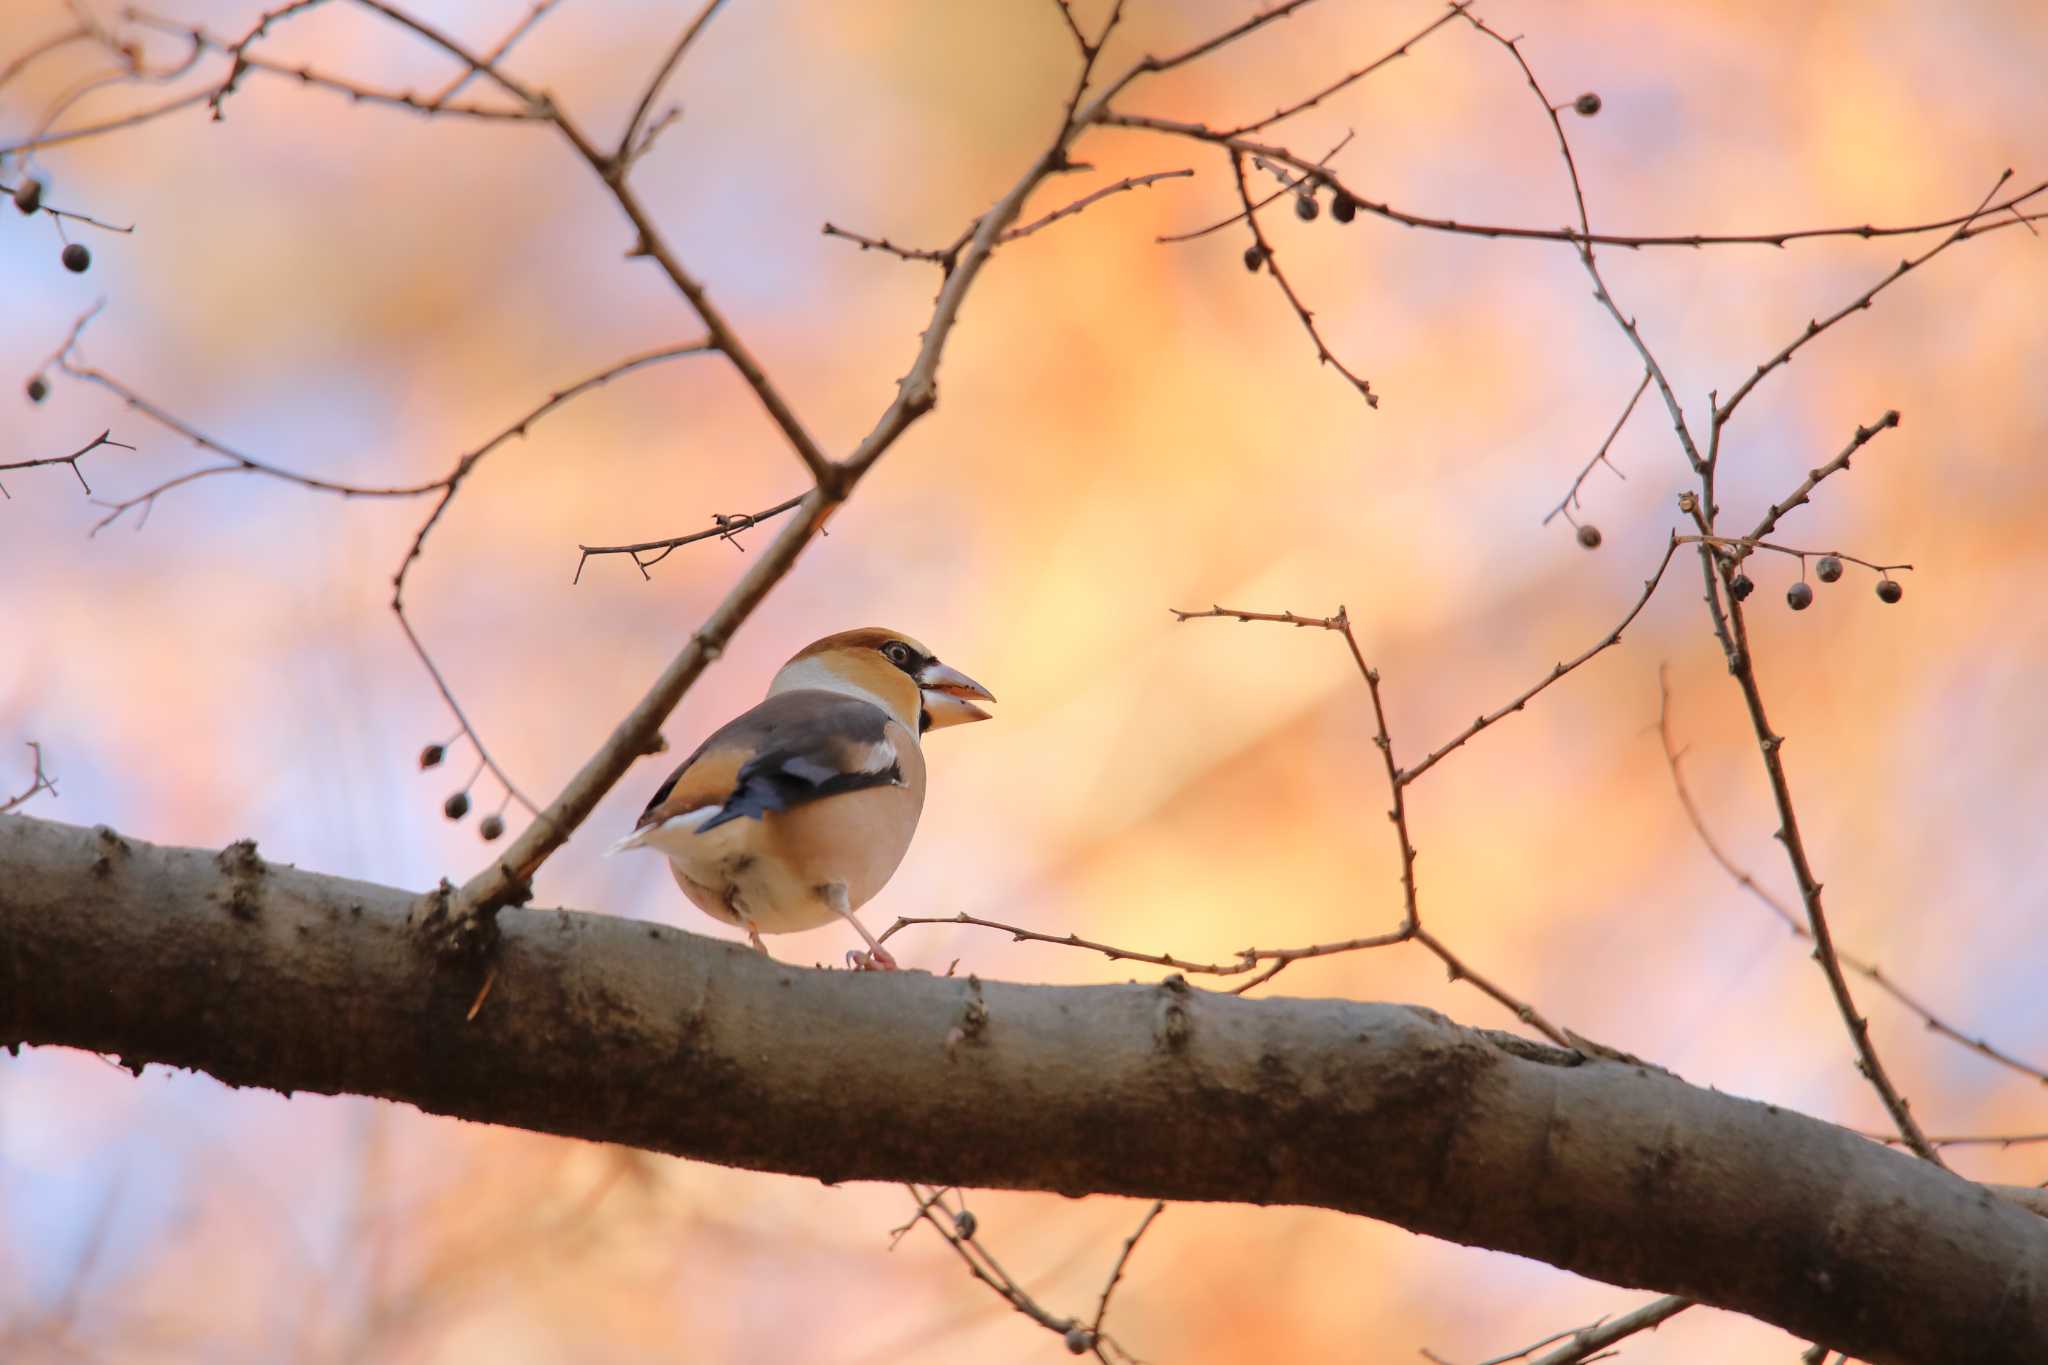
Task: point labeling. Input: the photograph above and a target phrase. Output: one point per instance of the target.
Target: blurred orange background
(364, 294)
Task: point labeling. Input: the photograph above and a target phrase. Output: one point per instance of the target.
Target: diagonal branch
(623, 156)
(1673, 757)
(103, 439)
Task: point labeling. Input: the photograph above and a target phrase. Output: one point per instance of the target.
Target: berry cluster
(28, 197)
(1828, 569)
(492, 826)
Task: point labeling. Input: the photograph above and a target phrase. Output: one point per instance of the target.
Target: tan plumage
(798, 811)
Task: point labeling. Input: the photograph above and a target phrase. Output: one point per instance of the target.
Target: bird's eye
(897, 653)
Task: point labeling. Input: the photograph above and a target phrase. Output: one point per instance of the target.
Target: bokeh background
(1123, 427)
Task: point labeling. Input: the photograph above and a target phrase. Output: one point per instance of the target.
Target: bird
(796, 812)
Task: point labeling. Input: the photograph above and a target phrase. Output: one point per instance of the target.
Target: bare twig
(961, 1231)
(504, 47)
(626, 152)
(1723, 411)
(51, 44)
(1123, 1259)
(1606, 642)
(103, 439)
(8, 191)
(1674, 757)
(723, 527)
(39, 781)
(1375, 64)
(1593, 1337)
(1813, 479)
(1271, 263)
(1571, 497)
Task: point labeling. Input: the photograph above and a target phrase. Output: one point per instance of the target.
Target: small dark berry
(1828, 569)
(1888, 590)
(1305, 206)
(1344, 208)
(38, 389)
(964, 1224)
(491, 827)
(1586, 105)
(28, 195)
(1254, 257)
(1739, 587)
(1589, 536)
(431, 756)
(1080, 1340)
(76, 258)
(456, 806)
(1799, 596)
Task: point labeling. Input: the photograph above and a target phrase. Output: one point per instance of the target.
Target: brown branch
(1571, 497)
(39, 781)
(1673, 757)
(1288, 186)
(1723, 411)
(961, 1230)
(1319, 96)
(1199, 132)
(1069, 210)
(626, 153)
(1123, 1259)
(114, 125)
(944, 257)
(1271, 263)
(1606, 642)
(724, 526)
(1999, 1140)
(1741, 547)
(9, 191)
(1593, 1337)
(616, 1030)
(51, 44)
(497, 53)
(1769, 742)
(1801, 494)
(103, 439)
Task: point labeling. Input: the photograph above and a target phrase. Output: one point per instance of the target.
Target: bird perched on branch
(795, 813)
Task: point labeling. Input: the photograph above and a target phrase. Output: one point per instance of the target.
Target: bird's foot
(877, 959)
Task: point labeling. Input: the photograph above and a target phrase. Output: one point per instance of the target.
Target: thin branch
(1769, 743)
(625, 153)
(1814, 328)
(1123, 1259)
(1319, 96)
(103, 439)
(496, 54)
(1571, 497)
(1130, 183)
(945, 257)
(961, 1231)
(1801, 494)
(39, 781)
(48, 45)
(1599, 1336)
(1593, 1337)
(1606, 642)
(1999, 1140)
(114, 125)
(8, 191)
(1271, 263)
(1287, 186)
(724, 526)
(1673, 758)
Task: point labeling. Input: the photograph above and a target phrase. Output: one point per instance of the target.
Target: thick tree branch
(623, 1031)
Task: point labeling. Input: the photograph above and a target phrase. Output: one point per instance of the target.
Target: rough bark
(622, 1031)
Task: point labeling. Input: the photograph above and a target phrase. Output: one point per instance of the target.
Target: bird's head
(892, 670)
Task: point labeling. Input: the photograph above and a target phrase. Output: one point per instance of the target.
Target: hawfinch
(795, 813)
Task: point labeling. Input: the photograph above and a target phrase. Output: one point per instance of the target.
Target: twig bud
(28, 195)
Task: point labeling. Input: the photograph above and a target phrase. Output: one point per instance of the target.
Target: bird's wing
(793, 748)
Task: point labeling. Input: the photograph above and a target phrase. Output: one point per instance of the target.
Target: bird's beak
(949, 696)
